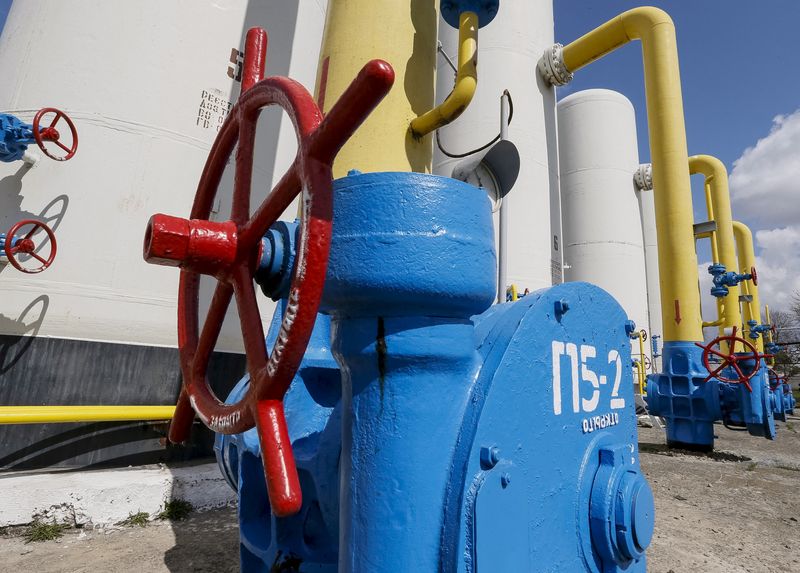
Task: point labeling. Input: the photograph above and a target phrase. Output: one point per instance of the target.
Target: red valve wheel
(775, 380)
(229, 251)
(647, 364)
(643, 334)
(50, 134)
(731, 359)
(754, 275)
(26, 246)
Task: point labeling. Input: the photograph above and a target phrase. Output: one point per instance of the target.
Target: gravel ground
(734, 511)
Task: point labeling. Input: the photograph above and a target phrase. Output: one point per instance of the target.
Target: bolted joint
(643, 177)
(196, 245)
(552, 68)
(630, 329)
(490, 455)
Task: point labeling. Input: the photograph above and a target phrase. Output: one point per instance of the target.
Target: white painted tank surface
(598, 155)
(509, 48)
(147, 84)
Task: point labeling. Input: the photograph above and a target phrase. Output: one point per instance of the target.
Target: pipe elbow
(707, 165)
(639, 21)
(466, 81)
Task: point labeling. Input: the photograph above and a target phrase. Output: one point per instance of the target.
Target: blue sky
(4, 5)
(739, 73)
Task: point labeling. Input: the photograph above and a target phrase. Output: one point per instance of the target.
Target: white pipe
(502, 248)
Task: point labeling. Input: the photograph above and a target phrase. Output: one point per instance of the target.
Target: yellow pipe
(466, 80)
(680, 300)
(62, 414)
(770, 361)
(514, 293)
(723, 248)
(717, 322)
(747, 260)
(642, 374)
(403, 34)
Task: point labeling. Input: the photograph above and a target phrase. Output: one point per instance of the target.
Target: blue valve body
(426, 423)
(15, 136)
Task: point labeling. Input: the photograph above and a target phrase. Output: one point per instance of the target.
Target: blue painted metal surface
(721, 279)
(691, 405)
(14, 241)
(485, 9)
(449, 435)
(15, 136)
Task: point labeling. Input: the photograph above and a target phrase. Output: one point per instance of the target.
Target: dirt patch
(734, 511)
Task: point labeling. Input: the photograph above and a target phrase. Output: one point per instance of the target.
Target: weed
(38, 531)
(176, 509)
(751, 466)
(139, 518)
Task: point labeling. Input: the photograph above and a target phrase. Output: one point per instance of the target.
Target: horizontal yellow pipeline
(64, 414)
(680, 299)
(466, 80)
(718, 322)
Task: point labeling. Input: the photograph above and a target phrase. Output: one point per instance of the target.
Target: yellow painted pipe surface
(64, 414)
(723, 247)
(747, 260)
(680, 299)
(402, 33)
(466, 80)
(768, 319)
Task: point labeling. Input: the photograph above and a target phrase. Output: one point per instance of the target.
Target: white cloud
(778, 265)
(765, 191)
(765, 181)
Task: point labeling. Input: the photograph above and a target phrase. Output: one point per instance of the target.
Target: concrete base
(103, 498)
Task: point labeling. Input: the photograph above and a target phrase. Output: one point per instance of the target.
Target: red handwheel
(754, 275)
(775, 380)
(229, 252)
(27, 246)
(731, 358)
(50, 134)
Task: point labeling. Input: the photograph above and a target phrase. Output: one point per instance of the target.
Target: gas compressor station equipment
(396, 420)
(15, 137)
(735, 389)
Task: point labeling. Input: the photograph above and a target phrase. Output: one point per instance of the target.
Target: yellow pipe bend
(466, 80)
(747, 260)
(722, 243)
(64, 414)
(680, 299)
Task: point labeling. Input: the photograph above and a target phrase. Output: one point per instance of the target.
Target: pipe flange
(643, 177)
(552, 68)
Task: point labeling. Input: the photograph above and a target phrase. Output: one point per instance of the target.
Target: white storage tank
(147, 85)
(598, 155)
(509, 48)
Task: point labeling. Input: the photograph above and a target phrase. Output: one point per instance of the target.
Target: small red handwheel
(775, 380)
(27, 246)
(647, 364)
(229, 251)
(731, 359)
(643, 334)
(50, 134)
(754, 274)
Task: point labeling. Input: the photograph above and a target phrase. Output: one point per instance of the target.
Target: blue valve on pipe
(724, 279)
(15, 136)
(756, 329)
(485, 9)
(654, 345)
